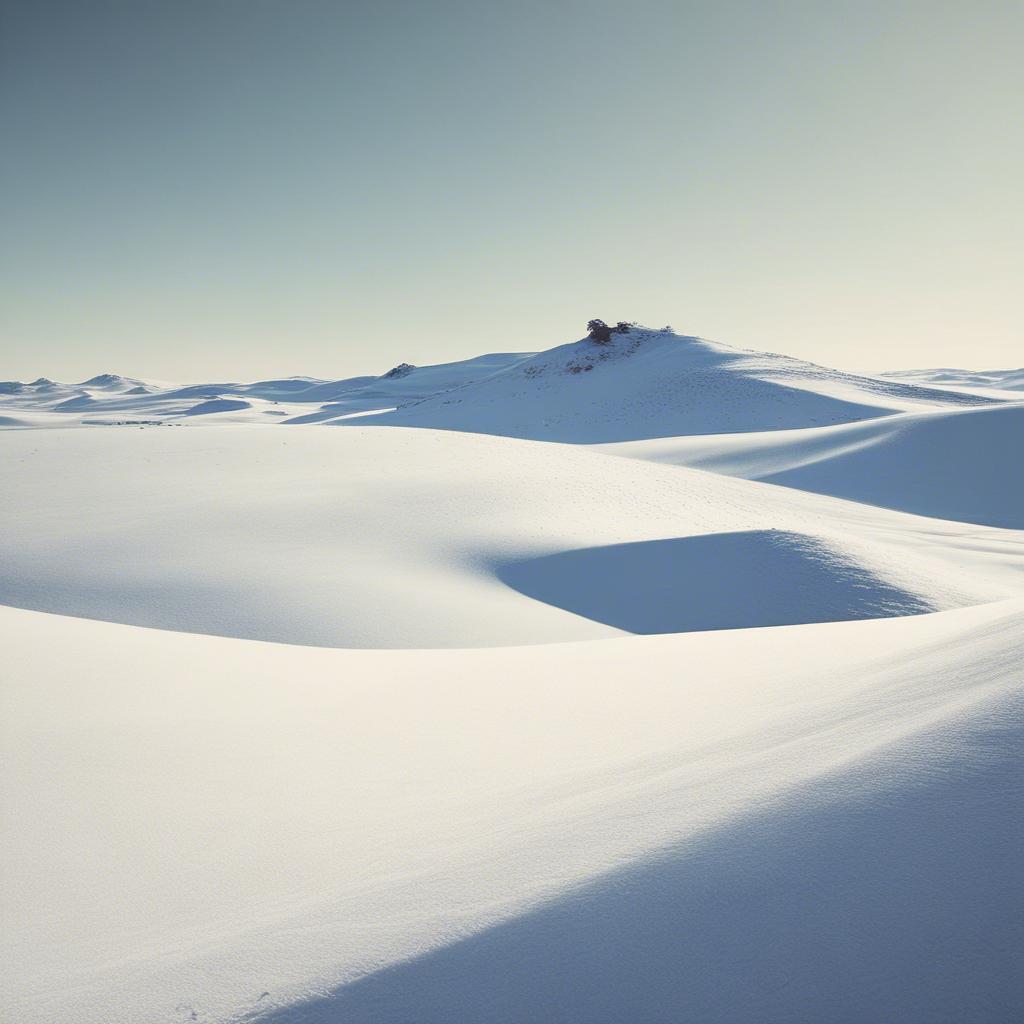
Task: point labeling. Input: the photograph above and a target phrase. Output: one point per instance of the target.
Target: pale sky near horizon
(245, 189)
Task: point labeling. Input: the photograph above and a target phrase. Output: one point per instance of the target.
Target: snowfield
(373, 537)
(653, 682)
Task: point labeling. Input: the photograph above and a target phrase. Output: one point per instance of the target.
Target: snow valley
(640, 679)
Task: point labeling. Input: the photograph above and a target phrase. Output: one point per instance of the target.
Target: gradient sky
(204, 190)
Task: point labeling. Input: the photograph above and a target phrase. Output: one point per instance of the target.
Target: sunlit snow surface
(652, 682)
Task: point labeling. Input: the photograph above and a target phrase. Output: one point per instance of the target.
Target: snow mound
(77, 403)
(110, 382)
(956, 464)
(218, 405)
(646, 384)
(402, 385)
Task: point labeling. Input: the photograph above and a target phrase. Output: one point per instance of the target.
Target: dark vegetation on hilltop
(601, 333)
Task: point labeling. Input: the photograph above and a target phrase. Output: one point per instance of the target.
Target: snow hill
(983, 382)
(110, 400)
(651, 682)
(647, 384)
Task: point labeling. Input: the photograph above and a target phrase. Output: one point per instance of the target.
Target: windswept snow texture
(654, 682)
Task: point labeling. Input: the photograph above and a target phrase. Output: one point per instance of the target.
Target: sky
(197, 190)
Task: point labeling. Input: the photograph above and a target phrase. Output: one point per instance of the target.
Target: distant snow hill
(930, 442)
(641, 385)
(648, 384)
(999, 380)
(108, 399)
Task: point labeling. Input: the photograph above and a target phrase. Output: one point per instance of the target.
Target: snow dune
(114, 400)
(649, 384)
(962, 464)
(813, 909)
(1000, 380)
(214, 405)
(1001, 383)
(333, 537)
(263, 832)
(645, 384)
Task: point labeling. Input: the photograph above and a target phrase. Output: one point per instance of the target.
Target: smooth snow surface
(654, 682)
(194, 821)
(965, 464)
(371, 537)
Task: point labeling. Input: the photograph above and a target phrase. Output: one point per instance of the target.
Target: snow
(216, 405)
(332, 537)
(195, 821)
(112, 400)
(1006, 384)
(649, 384)
(645, 384)
(682, 685)
(962, 464)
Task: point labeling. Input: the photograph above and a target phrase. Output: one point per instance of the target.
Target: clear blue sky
(197, 190)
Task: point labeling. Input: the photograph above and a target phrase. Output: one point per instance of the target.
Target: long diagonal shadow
(891, 894)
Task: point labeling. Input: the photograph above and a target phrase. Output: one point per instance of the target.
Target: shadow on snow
(716, 581)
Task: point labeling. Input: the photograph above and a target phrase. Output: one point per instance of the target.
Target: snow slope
(725, 730)
(649, 384)
(963, 464)
(333, 537)
(249, 831)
